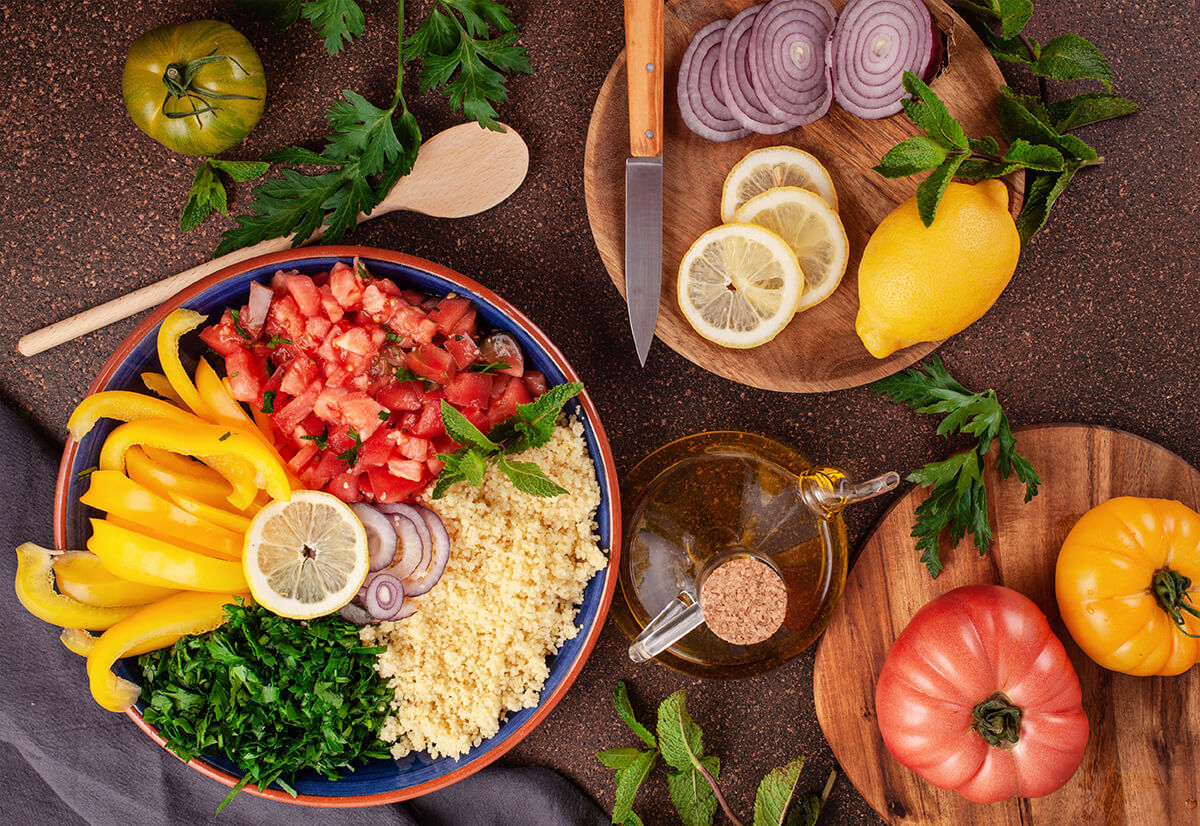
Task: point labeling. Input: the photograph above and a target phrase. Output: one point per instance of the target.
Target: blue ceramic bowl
(380, 781)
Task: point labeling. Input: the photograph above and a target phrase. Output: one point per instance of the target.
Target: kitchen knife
(643, 170)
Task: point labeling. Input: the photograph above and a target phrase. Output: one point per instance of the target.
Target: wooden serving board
(819, 350)
(1142, 764)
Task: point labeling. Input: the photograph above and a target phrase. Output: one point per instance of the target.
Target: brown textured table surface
(1099, 324)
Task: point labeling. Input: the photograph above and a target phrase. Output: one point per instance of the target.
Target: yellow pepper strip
(174, 327)
(82, 575)
(154, 626)
(157, 476)
(35, 590)
(241, 458)
(142, 558)
(78, 641)
(157, 383)
(227, 411)
(118, 495)
(127, 407)
(218, 516)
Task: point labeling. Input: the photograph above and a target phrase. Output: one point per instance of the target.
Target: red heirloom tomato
(977, 695)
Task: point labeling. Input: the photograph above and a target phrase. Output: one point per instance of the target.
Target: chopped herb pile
(273, 695)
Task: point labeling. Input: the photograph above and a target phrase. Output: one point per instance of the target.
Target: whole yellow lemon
(919, 283)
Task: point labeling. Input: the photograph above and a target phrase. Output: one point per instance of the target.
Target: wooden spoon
(463, 170)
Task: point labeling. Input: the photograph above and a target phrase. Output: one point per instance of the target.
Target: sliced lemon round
(768, 168)
(305, 557)
(739, 285)
(811, 229)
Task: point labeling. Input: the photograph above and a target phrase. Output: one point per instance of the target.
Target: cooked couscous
(476, 648)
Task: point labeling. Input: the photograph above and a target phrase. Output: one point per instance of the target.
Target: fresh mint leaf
(618, 758)
(807, 810)
(910, 157)
(473, 467)
(528, 477)
(928, 112)
(1071, 57)
(679, 739)
(1031, 156)
(692, 795)
(1041, 191)
(542, 413)
(460, 429)
(449, 477)
(987, 145)
(241, 170)
(1089, 108)
(206, 194)
(1012, 15)
(774, 796)
(629, 780)
(973, 169)
(931, 190)
(1019, 119)
(625, 712)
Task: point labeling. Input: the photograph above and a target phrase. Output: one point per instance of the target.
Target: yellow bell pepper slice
(126, 407)
(142, 558)
(241, 458)
(174, 327)
(157, 383)
(158, 477)
(78, 641)
(82, 575)
(154, 626)
(117, 494)
(35, 590)
(218, 516)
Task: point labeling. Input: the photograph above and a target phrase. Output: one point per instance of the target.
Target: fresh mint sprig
(1036, 128)
(531, 426)
(957, 503)
(692, 775)
(208, 193)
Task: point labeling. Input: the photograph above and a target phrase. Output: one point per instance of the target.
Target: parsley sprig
(531, 426)
(370, 148)
(957, 502)
(692, 775)
(1036, 128)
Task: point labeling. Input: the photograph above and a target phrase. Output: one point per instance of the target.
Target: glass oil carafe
(704, 500)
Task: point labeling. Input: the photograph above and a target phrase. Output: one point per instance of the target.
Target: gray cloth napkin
(64, 760)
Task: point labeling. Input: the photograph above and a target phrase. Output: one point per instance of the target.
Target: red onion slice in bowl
(381, 536)
(413, 513)
(787, 59)
(385, 596)
(700, 101)
(736, 85)
(414, 586)
(874, 43)
(412, 553)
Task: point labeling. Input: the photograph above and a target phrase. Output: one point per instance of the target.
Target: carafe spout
(826, 491)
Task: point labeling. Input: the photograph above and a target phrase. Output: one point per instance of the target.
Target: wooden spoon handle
(643, 65)
(149, 296)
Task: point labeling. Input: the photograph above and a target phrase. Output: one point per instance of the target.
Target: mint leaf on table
(931, 190)
(207, 193)
(1012, 15)
(691, 793)
(1041, 191)
(927, 111)
(1088, 108)
(625, 712)
(1071, 57)
(910, 157)
(629, 780)
(679, 738)
(1020, 118)
(240, 170)
(618, 758)
(774, 796)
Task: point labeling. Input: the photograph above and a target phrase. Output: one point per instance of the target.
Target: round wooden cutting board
(819, 350)
(1142, 764)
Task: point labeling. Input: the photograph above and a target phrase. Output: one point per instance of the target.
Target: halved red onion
(381, 536)
(385, 596)
(411, 551)
(787, 59)
(700, 101)
(736, 85)
(423, 581)
(356, 614)
(256, 308)
(874, 43)
(413, 514)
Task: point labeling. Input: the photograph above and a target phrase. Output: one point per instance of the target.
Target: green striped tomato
(197, 88)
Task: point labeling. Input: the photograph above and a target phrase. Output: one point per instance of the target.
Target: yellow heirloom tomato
(1128, 585)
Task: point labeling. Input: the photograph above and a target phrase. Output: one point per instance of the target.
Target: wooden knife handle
(643, 65)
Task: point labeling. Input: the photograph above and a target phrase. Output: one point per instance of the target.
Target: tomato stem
(997, 720)
(1171, 589)
(180, 80)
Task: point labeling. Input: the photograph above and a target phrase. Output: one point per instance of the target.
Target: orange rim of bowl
(608, 470)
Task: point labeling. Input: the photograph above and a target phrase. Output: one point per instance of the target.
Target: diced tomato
(305, 292)
(432, 362)
(345, 487)
(503, 407)
(389, 488)
(413, 297)
(535, 383)
(328, 467)
(299, 374)
(404, 395)
(346, 286)
(374, 299)
(448, 312)
(246, 376)
(375, 450)
(329, 403)
(465, 327)
(361, 412)
(222, 336)
(406, 469)
(430, 424)
(469, 390)
(355, 340)
(340, 439)
(464, 350)
(409, 323)
(477, 417)
(315, 330)
(501, 347)
(302, 456)
(412, 447)
(288, 417)
(333, 310)
(435, 465)
(499, 386)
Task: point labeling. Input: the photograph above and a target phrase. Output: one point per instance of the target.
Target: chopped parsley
(383, 414)
(350, 454)
(494, 366)
(276, 340)
(268, 401)
(226, 436)
(322, 441)
(237, 324)
(86, 472)
(404, 374)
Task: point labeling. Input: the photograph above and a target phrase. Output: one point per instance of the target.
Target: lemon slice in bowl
(739, 285)
(775, 166)
(306, 557)
(812, 230)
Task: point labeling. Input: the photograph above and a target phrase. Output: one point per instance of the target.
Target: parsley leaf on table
(337, 21)
(957, 503)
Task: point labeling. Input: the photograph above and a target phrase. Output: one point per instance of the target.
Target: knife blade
(644, 169)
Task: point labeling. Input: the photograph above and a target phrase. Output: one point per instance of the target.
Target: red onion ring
(700, 101)
(416, 585)
(381, 535)
(787, 59)
(385, 596)
(874, 43)
(736, 85)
